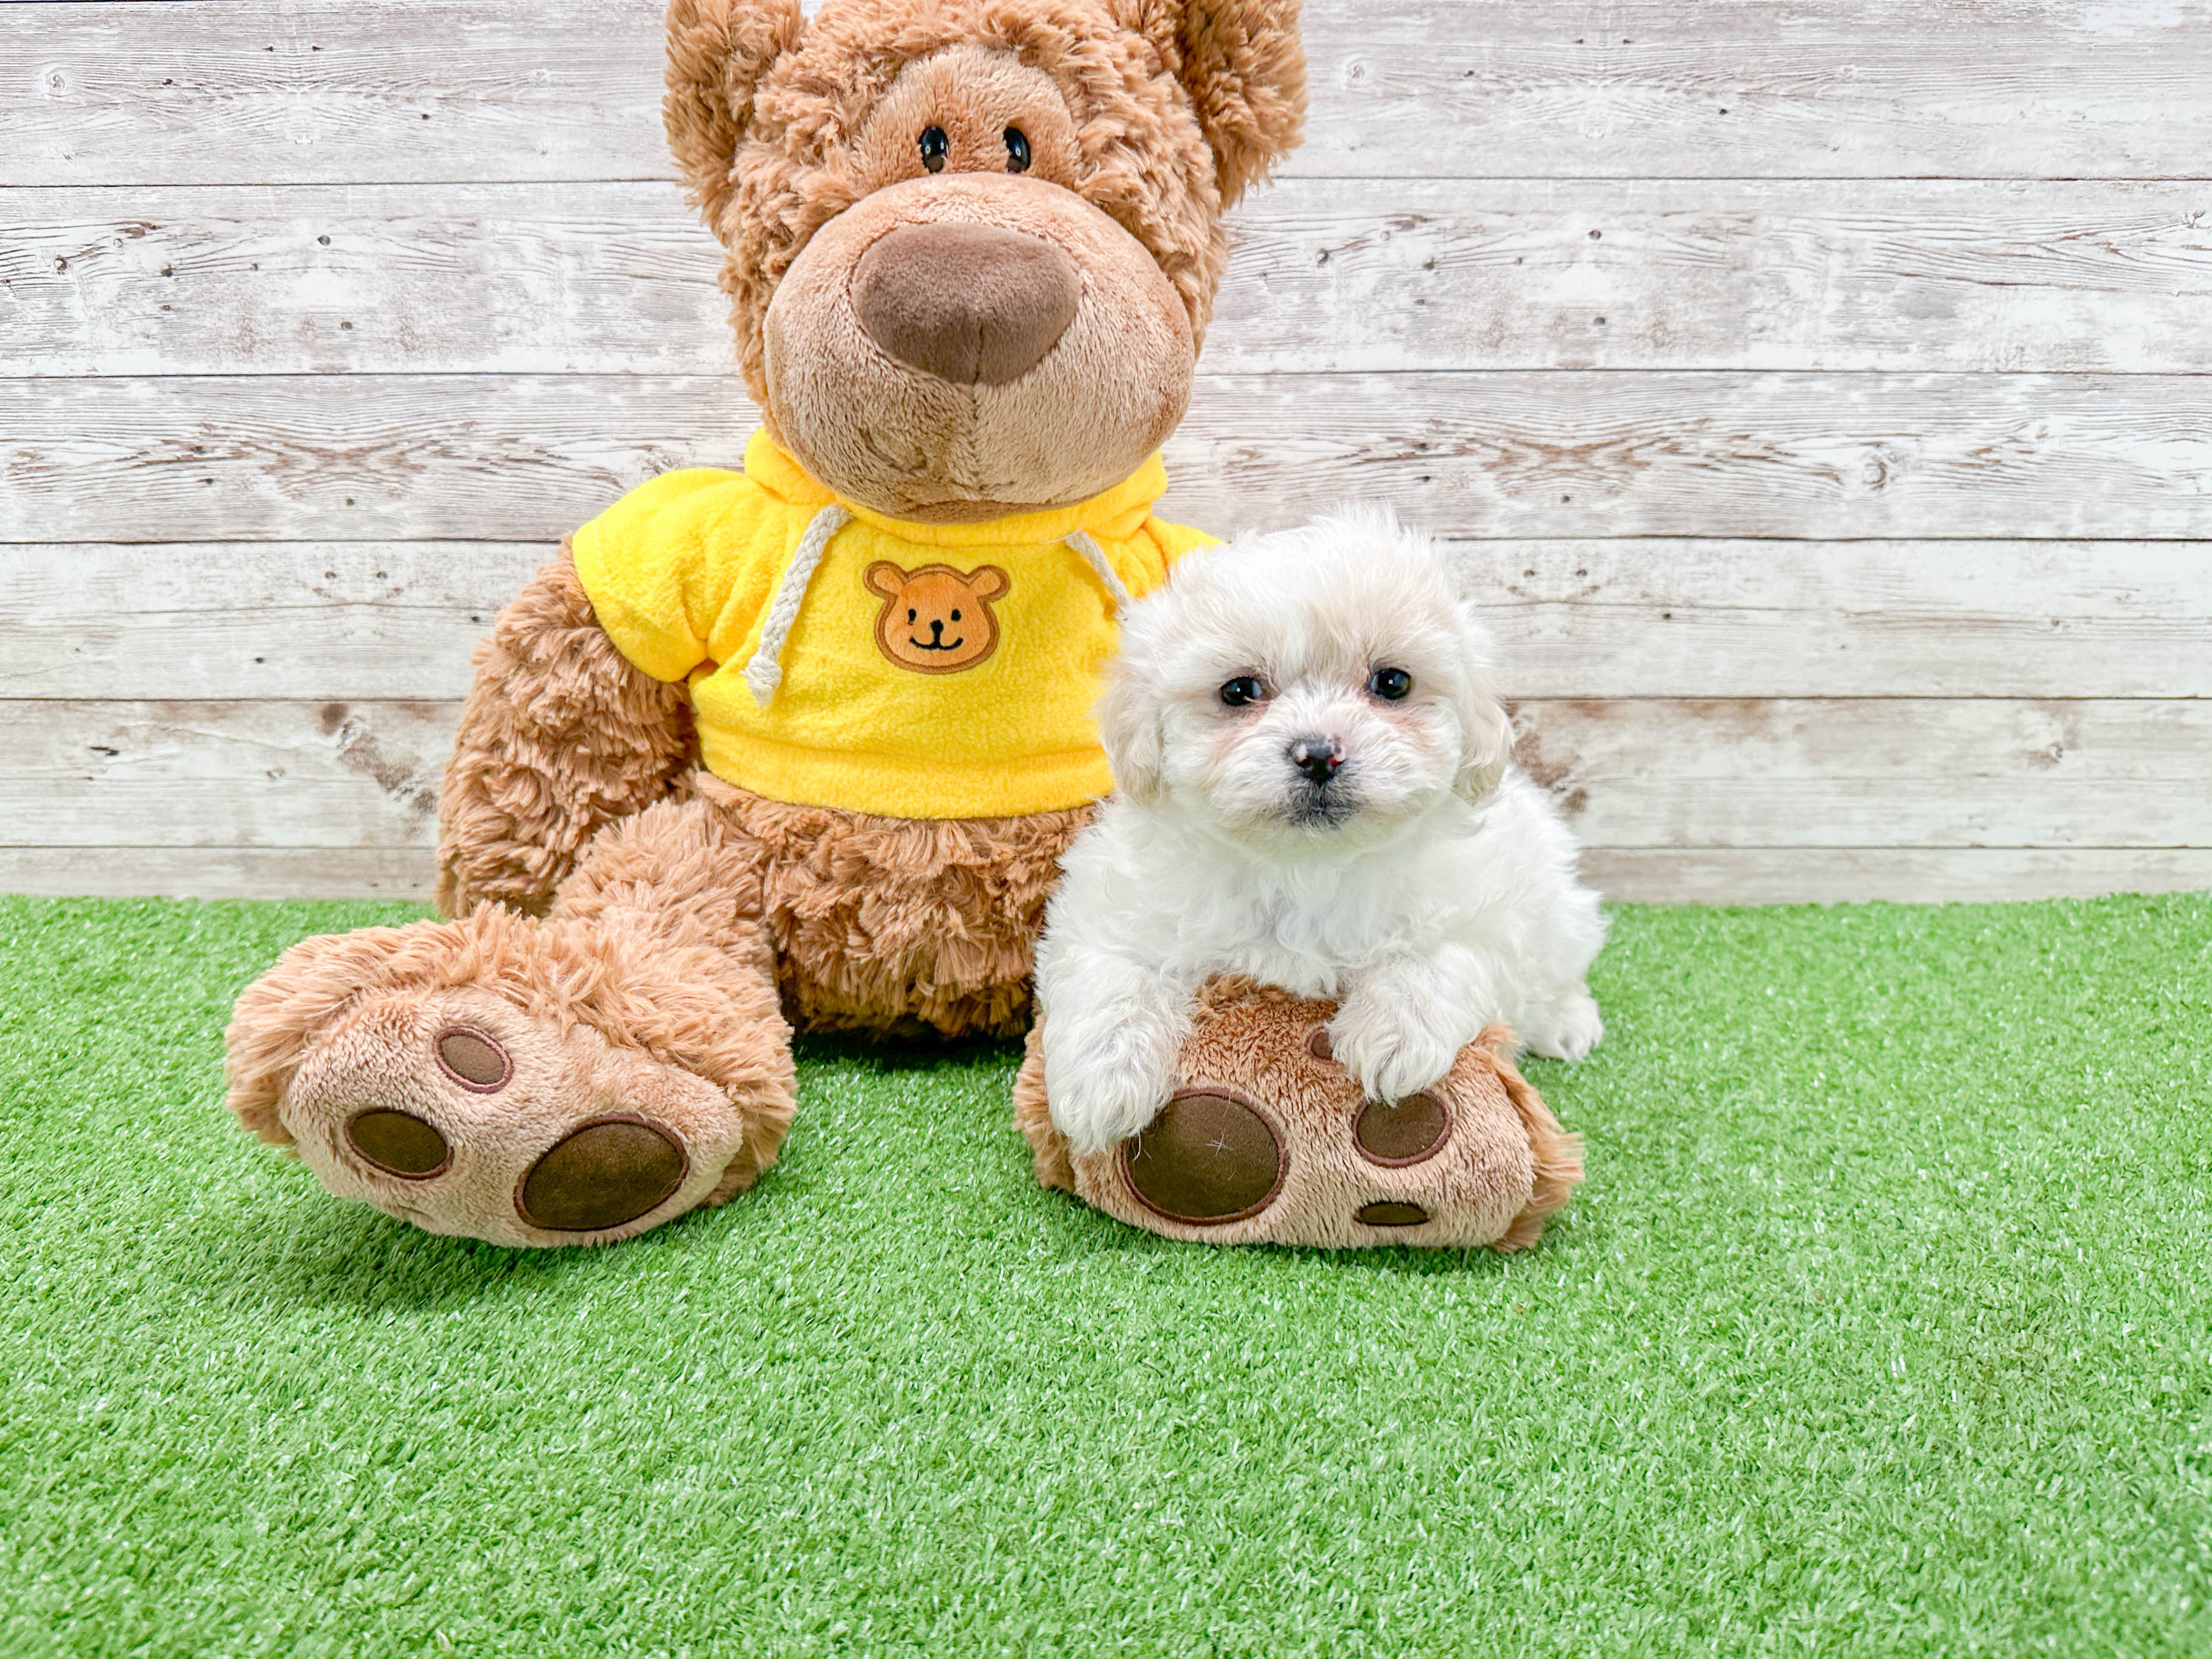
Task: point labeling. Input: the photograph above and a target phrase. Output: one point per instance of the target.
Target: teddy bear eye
(1391, 685)
(956, 615)
(1018, 150)
(934, 145)
(911, 613)
(1244, 688)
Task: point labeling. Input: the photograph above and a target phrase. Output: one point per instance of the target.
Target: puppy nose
(1317, 757)
(974, 305)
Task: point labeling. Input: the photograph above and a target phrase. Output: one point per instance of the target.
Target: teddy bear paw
(1267, 1138)
(457, 1111)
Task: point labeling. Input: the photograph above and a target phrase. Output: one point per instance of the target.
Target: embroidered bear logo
(937, 620)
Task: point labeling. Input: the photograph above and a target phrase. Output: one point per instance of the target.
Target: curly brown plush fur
(560, 737)
(899, 924)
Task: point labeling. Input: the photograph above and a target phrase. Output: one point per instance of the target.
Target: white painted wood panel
(1508, 454)
(303, 620)
(1708, 774)
(252, 620)
(302, 91)
(1793, 875)
(232, 775)
(1837, 456)
(399, 871)
(1863, 547)
(1897, 274)
(1875, 772)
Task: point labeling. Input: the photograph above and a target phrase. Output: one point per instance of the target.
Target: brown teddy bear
(801, 745)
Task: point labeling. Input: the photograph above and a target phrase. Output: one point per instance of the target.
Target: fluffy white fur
(1426, 885)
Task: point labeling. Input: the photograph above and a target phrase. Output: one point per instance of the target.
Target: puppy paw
(1570, 1030)
(1105, 1091)
(1394, 1051)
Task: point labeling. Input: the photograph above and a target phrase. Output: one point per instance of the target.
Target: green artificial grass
(1881, 1328)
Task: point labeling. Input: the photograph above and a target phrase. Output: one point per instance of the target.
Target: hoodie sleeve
(679, 566)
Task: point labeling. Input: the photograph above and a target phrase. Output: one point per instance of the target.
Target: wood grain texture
(1895, 275)
(516, 457)
(348, 458)
(322, 91)
(1875, 772)
(1751, 773)
(1904, 275)
(1635, 876)
(1616, 619)
(1610, 619)
(226, 775)
(251, 620)
(1831, 456)
(218, 873)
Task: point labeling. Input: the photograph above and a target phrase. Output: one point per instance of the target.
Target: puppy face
(1308, 690)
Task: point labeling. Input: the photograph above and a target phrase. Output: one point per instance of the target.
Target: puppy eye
(934, 145)
(1244, 688)
(1018, 150)
(1391, 685)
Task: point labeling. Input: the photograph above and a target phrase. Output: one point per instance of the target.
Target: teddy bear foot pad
(1268, 1140)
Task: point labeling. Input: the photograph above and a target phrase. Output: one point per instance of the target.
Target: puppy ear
(1486, 748)
(1129, 729)
(1245, 68)
(1485, 729)
(718, 51)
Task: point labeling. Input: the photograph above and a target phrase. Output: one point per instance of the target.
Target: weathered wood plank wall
(1821, 395)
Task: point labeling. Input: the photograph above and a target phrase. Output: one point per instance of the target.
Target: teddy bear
(798, 746)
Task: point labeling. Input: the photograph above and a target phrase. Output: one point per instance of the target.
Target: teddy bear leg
(570, 1081)
(1265, 1138)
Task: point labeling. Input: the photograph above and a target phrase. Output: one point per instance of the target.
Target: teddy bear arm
(560, 736)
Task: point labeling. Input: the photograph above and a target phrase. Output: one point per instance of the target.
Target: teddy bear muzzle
(958, 348)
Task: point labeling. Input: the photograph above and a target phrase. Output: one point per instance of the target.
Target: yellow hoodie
(839, 658)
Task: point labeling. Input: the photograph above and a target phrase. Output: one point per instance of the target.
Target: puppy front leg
(1112, 1029)
(1402, 1023)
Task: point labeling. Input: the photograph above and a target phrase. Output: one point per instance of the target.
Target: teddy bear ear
(1245, 68)
(718, 51)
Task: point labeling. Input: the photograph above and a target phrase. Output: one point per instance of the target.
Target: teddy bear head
(973, 244)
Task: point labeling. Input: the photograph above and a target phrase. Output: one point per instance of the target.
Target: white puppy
(1314, 789)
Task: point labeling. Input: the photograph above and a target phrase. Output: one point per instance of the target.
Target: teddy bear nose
(975, 305)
